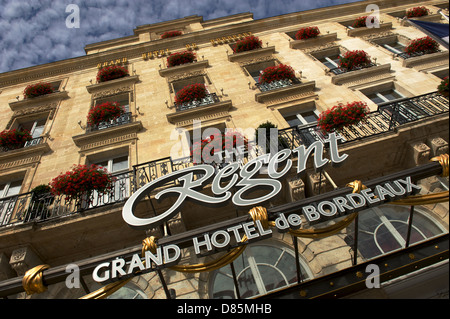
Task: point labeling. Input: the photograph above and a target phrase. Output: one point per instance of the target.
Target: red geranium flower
(278, 72)
(37, 89)
(422, 45)
(191, 92)
(104, 112)
(341, 116)
(111, 73)
(179, 58)
(417, 12)
(353, 59)
(170, 34)
(13, 139)
(247, 44)
(307, 33)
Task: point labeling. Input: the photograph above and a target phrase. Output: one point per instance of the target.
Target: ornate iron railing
(208, 99)
(28, 207)
(123, 119)
(32, 142)
(339, 70)
(278, 84)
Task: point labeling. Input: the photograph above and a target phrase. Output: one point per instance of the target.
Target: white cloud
(34, 32)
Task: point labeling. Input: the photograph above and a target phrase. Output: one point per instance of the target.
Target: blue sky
(34, 32)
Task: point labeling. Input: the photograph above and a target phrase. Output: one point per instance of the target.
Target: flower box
(179, 58)
(190, 93)
(340, 116)
(354, 59)
(278, 72)
(417, 12)
(111, 73)
(423, 45)
(360, 22)
(307, 33)
(171, 34)
(204, 151)
(443, 87)
(247, 44)
(82, 179)
(38, 89)
(14, 139)
(104, 112)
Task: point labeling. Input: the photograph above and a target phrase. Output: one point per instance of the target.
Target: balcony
(207, 107)
(270, 92)
(389, 117)
(121, 120)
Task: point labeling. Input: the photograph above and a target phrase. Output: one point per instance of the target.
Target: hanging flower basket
(111, 73)
(423, 45)
(104, 112)
(354, 59)
(443, 87)
(179, 58)
(190, 93)
(275, 73)
(341, 116)
(307, 33)
(82, 179)
(171, 34)
(14, 139)
(247, 44)
(417, 12)
(205, 149)
(37, 89)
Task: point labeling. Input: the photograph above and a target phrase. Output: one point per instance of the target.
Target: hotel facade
(60, 246)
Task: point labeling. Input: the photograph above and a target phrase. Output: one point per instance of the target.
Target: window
(118, 166)
(301, 118)
(122, 99)
(36, 129)
(7, 203)
(384, 229)
(385, 96)
(260, 269)
(331, 61)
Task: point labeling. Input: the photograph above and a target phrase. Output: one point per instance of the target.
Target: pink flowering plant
(422, 45)
(171, 34)
(82, 179)
(179, 58)
(247, 44)
(307, 33)
(37, 89)
(340, 116)
(111, 73)
(354, 59)
(104, 112)
(14, 139)
(443, 87)
(206, 148)
(275, 73)
(190, 93)
(417, 12)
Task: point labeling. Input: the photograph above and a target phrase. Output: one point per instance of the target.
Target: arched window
(260, 269)
(385, 228)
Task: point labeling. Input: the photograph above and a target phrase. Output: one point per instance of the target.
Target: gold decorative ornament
(444, 161)
(32, 280)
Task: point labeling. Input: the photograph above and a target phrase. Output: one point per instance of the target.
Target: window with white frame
(118, 166)
(384, 229)
(385, 96)
(7, 203)
(122, 99)
(260, 269)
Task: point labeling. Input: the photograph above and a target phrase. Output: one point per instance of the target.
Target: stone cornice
(39, 100)
(106, 134)
(315, 42)
(109, 85)
(363, 74)
(249, 55)
(23, 155)
(184, 68)
(364, 31)
(427, 60)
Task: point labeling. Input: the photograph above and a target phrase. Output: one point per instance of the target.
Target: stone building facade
(140, 147)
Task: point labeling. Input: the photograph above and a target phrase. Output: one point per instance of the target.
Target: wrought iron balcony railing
(339, 70)
(264, 87)
(32, 142)
(27, 207)
(121, 120)
(208, 99)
